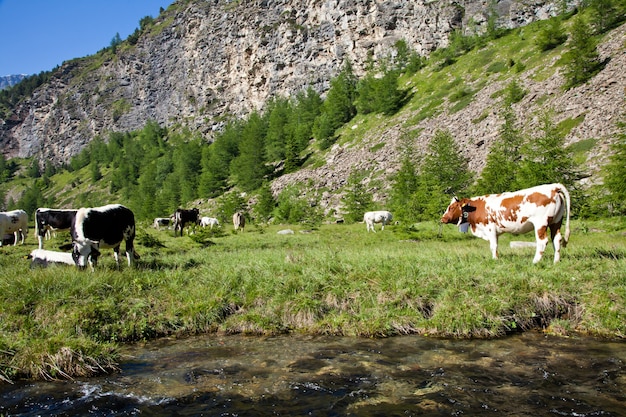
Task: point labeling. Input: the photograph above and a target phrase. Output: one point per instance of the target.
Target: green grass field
(58, 322)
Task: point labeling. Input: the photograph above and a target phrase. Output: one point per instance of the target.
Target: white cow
(43, 257)
(209, 221)
(15, 221)
(383, 217)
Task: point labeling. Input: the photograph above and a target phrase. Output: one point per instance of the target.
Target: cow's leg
(541, 233)
(555, 233)
(130, 255)
(116, 254)
(493, 245)
(40, 239)
(16, 236)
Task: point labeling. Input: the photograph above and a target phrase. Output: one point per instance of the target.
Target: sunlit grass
(335, 280)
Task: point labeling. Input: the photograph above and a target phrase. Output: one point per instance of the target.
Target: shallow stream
(530, 374)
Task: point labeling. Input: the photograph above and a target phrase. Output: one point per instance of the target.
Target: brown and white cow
(539, 208)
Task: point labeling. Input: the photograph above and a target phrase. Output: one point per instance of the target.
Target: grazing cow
(184, 216)
(43, 257)
(209, 221)
(161, 221)
(48, 219)
(100, 228)
(16, 222)
(239, 221)
(371, 217)
(539, 208)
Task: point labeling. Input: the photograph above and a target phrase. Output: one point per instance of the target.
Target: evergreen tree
(444, 174)
(248, 169)
(405, 184)
(5, 173)
(583, 59)
(356, 200)
(500, 172)
(279, 112)
(115, 42)
(96, 174)
(338, 108)
(265, 203)
(186, 158)
(552, 34)
(606, 14)
(514, 93)
(307, 108)
(216, 159)
(446, 165)
(615, 172)
(545, 159)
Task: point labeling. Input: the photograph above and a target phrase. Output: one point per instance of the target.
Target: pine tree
(583, 57)
(615, 172)
(339, 107)
(552, 34)
(404, 185)
(216, 159)
(446, 165)
(500, 172)
(606, 14)
(356, 200)
(279, 112)
(265, 203)
(444, 174)
(546, 160)
(248, 169)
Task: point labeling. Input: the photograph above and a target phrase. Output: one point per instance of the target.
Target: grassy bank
(60, 322)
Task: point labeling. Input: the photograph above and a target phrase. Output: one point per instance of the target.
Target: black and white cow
(161, 222)
(16, 222)
(101, 228)
(183, 216)
(50, 219)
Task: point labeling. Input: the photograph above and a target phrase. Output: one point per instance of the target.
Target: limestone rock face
(204, 61)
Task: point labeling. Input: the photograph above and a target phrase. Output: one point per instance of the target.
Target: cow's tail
(565, 194)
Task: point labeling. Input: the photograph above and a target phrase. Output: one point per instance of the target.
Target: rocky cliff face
(204, 61)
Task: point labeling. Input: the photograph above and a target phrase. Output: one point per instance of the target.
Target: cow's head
(458, 211)
(453, 213)
(85, 251)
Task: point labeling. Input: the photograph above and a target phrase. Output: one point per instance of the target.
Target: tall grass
(60, 322)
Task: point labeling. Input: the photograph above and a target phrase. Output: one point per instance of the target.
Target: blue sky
(38, 35)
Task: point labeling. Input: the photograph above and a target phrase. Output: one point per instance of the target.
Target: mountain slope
(588, 114)
(201, 62)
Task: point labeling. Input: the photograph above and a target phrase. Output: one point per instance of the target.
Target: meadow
(61, 322)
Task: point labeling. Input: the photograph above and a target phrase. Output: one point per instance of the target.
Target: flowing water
(523, 375)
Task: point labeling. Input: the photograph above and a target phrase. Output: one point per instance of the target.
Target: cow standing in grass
(16, 222)
(99, 228)
(49, 219)
(541, 208)
(372, 217)
(209, 221)
(183, 217)
(239, 221)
